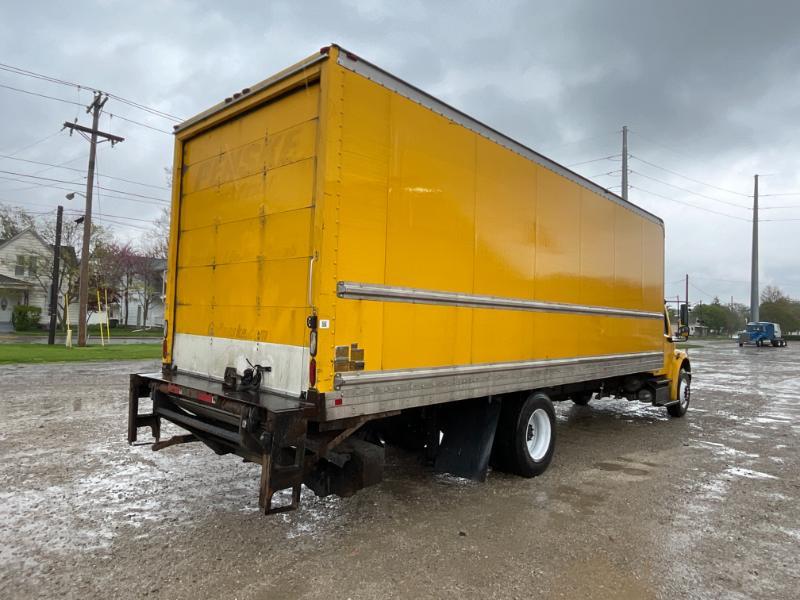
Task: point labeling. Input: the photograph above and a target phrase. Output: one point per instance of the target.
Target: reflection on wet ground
(635, 505)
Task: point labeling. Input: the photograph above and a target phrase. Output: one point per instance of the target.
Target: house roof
(67, 252)
(10, 282)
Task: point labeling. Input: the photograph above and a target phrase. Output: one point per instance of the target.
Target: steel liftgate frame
(261, 427)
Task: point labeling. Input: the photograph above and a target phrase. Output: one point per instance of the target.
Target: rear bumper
(261, 427)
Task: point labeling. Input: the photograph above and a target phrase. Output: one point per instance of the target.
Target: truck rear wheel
(684, 395)
(526, 435)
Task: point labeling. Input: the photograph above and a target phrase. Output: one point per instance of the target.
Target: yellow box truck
(354, 262)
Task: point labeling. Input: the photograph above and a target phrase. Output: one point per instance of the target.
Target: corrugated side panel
(244, 246)
(428, 204)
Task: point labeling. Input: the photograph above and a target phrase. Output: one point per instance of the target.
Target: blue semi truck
(762, 333)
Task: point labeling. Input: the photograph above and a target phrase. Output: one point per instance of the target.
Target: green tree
(777, 307)
(719, 317)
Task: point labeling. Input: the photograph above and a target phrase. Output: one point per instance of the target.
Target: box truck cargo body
(353, 261)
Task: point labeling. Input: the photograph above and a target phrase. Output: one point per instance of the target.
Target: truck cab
(677, 369)
(762, 333)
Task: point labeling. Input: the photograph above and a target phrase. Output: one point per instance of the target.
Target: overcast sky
(710, 91)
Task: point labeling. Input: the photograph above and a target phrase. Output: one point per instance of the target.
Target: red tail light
(312, 372)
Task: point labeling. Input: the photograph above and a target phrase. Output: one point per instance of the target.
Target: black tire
(740, 344)
(684, 395)
(517, 422)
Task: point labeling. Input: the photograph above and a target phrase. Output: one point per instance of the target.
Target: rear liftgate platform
(261, 427)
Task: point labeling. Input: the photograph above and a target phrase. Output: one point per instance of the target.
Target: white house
(136, 297)
(141, 292)
(26, 273)
(24, 262)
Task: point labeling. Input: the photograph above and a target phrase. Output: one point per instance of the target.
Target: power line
(687, 177)
(661, 144)
(36, 143)
(8, 87)
(73, 211)
(66, 189)
(107, 219)
(741, 281)
(28, 73)
(76, 211)
(584, 140)
(163, 200)
(594, 160)
(712, 296)
(604, 174)
(64, 100)
(688, 191)
(153, 111)
(140, 124)
(36, 162)
(690, 205)
(710, 210)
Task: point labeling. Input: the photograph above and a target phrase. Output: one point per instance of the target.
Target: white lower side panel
(208, 356)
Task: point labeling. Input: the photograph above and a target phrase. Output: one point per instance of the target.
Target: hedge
(25, 318)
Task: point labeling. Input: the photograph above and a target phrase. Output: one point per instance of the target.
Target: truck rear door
(244, 242)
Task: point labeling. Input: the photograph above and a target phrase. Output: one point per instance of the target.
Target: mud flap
(468, 429)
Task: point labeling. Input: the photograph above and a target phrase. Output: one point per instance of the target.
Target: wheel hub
(538, 433)
(684, 393)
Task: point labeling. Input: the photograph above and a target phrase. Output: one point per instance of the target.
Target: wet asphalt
(635, 504)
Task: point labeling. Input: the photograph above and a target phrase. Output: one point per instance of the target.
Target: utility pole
(754, 264)
(96, 107)
(54, 285)
(625, 162)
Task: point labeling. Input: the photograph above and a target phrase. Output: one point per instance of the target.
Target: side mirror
(684, 310)
(682, 334)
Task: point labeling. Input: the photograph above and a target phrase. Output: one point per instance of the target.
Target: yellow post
(68, 341)
(108, 324)
(102, 340)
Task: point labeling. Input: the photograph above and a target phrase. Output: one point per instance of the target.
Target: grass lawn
(41, 353)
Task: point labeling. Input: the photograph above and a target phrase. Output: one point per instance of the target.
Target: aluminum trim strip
(389, 293)
(374, 73)
(254, 89)
(366, 377)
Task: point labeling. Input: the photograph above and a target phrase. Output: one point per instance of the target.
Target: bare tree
(773, 294)
(155, 241)
(14, 220)
(146, 282)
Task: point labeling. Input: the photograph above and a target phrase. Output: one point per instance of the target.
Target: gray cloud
(709, 89)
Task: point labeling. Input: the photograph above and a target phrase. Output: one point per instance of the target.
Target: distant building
(140, 301)
(26, 274)
(698, 330)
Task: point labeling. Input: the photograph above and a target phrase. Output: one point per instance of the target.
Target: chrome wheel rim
(538, 434)
(684, 393)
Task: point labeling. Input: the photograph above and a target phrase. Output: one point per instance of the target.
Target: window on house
(19, 268)
(33, 265)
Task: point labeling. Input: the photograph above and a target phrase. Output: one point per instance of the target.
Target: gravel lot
(635, 505)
